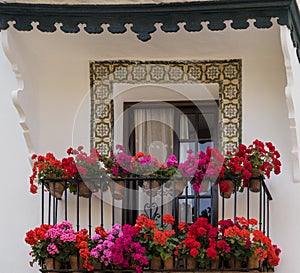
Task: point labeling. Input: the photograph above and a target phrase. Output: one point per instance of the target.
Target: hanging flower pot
(56, 188)
(51, 263)
(178, 186)
(226, 188)
(151, 187)
(254, 183)
(117, 189)
(84, 190)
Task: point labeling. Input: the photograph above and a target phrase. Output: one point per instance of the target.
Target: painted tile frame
(227, 73)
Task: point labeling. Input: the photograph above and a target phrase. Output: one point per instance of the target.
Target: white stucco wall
(55, 68)
(19, 210)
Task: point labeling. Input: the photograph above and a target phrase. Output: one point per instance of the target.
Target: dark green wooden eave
(143, 17)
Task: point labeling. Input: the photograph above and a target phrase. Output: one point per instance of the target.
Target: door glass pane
(204, 145)
(154, 132)
(183, 148)
(187, 129)
(186, 208)
(204, 128)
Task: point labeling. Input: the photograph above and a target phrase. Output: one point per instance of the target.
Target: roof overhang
(143, 18)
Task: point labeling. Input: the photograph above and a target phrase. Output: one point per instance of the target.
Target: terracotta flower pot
(76, 263)
(227, 194)
(151, 187)
(117, 189)
(254, 183)
(234, 263)
(178, 186)
(253, 262)
(171, 263)
(190, 263)
(51, 263)
(84, 190)
(215, 263)
(156, 262)
(56, 188)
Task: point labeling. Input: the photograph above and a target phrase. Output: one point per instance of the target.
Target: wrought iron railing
(102, 208)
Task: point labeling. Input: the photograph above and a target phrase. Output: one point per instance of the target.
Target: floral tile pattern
(104, 74)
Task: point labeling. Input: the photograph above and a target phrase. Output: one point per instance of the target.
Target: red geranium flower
(168, 219)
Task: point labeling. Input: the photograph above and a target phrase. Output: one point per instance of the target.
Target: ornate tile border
(104, 74)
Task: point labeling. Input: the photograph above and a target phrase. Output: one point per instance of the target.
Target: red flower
(169, 233)
(101, 232)
(223, 245)
(211, 253)
(201, 231)
(168, 219)
(160, 237)
(194, 252)
(224, 186)
(191, 243)
(182, 227)
(37, 234)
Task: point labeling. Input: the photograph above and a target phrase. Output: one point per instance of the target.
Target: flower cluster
(238, 237)
(119, 248)
(117, 164)
(144, 164)
(77, 166)
(202, 166)
(263, 248)
(85, 244)
(199, 242)
(49, 241)
(132, 247)
(210, 166)
(158, 240)
(47, 166)
(86, 167)
(245, 240)
(235, 167)
(239, 164)
(120, 164)
(263, 156)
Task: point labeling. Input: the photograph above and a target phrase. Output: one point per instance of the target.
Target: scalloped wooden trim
(143, 18)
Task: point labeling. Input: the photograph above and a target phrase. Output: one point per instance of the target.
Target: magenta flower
(171, 161)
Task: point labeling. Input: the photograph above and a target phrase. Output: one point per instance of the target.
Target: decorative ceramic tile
(104, 74)
(212, 72)
(157, 73)
(231, 92)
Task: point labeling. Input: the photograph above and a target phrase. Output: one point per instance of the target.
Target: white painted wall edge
(14, 93)
(292, 67)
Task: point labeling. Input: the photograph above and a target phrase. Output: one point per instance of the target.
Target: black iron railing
(104, 208)
(156, 201)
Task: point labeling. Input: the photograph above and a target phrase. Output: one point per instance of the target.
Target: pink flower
(52, 249)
